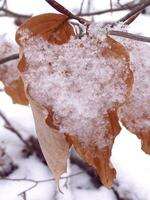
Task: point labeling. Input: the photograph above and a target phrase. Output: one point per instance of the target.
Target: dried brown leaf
(55, 29)
(52, 27)
(16, 91)
(118, 51)
(95, 156)
(53, 144)
(90, 152)
(145, 141)
(9, 74)
(135, 113)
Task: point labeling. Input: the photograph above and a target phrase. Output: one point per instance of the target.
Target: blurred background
(23, 170)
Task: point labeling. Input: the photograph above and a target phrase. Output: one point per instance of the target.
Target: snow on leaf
(88, 149)
(135, 113)
(97, 157)
(119, 52)
(54, 28)
(80, 83)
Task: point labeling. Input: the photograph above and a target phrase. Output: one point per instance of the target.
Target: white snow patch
(76, 82)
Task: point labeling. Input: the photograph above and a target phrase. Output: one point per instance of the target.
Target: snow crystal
(76, 82)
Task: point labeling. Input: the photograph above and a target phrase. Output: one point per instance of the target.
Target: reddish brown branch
(60, 8)
(66, 12)
(132, 18)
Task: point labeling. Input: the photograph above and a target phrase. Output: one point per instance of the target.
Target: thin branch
(9, 58)
(118, 2)
(36, 182)
(10, 13)
(81, 7)
(41, 181)
(54, 195)
(66, 12)
(111, 5)
(130, 36)
(24, 196)
(4, 4)
(131, 2)
(10, 127)
(89, 4)
(138, 8)
(28, 189)
(48, 180)
(132, 18)
(110, 10)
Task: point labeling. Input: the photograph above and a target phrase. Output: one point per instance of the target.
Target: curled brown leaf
(55, 29)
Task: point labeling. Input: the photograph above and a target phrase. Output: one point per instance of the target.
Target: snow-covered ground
(132, 165)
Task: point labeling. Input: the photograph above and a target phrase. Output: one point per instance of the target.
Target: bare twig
(10, 127)
(9, 58)
(54, 196)
(9, 13)
(40, 181)
(130, 36)
(28, 189)
(110, 10)
(24, 196)
(60, 8)
(4, 4)
(81, 7)
(132, 18)
(66, 12)
(118, 2)
(131, 2)
(6, 164)
(89, 4)
(111, 5)
(137, 9)
(36, 182)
